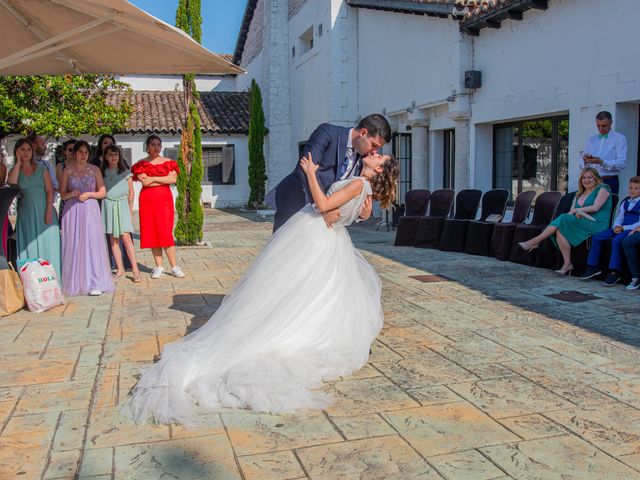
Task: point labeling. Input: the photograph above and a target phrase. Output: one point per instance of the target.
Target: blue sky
(220, 20)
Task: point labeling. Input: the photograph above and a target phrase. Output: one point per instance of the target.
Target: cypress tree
(257, 169)
(188, 229)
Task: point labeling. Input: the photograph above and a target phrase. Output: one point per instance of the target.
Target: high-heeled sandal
(136, 278)
(525, 248)
(118, 275)
(565, 272)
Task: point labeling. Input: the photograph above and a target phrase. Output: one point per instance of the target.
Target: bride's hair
(383, 185)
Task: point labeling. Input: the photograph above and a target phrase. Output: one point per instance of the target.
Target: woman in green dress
(37, 232)
(116, 209)
(590, 213)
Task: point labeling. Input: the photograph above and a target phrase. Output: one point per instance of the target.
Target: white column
(276, 91)
(419, 156)
(462, 174)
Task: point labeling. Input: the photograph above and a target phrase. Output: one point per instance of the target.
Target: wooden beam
(540, 4)
(514, 14)
(472, 31)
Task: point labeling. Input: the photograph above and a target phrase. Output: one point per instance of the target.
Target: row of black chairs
(462, 233)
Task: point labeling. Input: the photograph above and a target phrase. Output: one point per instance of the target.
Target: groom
(337, 151)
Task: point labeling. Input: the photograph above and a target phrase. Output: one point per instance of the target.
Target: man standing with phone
(606, 152)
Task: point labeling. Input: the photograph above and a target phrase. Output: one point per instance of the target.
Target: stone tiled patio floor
(476, 375)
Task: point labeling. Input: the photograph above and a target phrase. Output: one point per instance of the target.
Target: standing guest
(40, 146)
(116, 213)
(4, 222)
(103, 142)
(606, 152)
(593, 198)
(85, 267)
(37, 232)
(156, 174)
(626, 221)
(69, 156)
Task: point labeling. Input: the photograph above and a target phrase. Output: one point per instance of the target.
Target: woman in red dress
(157, 174)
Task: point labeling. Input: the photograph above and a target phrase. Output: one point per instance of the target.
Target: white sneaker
(177, 272)
(634, 285)
(157, 272)
(95, 293)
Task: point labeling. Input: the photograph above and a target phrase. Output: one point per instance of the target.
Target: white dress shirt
(611, 149)
(620, 217)
(352, 159)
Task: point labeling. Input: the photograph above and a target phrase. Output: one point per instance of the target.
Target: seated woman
(37, 232)
(589, 214)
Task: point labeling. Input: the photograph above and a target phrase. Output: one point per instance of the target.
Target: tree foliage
(188, 229)
(257, 168)
(56, 105)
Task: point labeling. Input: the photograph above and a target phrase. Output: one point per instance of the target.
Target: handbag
(11, 293)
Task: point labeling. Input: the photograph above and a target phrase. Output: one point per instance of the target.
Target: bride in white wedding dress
(306, 310)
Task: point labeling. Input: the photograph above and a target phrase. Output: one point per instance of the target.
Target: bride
(305, 311)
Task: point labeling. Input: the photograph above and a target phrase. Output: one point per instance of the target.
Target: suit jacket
(328, 147)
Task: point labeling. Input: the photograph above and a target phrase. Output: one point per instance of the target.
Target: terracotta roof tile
(161, 112)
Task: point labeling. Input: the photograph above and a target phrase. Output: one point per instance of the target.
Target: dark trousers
(630, 246)
(615, 262)
(279, 220)
(613, 182)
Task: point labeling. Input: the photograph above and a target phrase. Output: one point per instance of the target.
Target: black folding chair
(544, 209)
(494, 202)
(548, 256)
(416, 204)
(430, 226)
(7, 194)
(455, 229)
(502, 235)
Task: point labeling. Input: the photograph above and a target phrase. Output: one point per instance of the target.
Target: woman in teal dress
(116, 213)
(37, 232)
(590, 213)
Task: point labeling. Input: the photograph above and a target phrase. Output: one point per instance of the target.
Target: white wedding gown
(305, 311)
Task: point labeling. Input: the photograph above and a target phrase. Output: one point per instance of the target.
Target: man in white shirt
(606, 152)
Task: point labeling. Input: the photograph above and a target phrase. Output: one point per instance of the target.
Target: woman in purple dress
(85, 264)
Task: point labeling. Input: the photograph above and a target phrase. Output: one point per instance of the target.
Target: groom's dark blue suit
(328, 147)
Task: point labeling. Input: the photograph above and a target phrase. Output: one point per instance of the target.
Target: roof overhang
(493, 18)
(442, 10)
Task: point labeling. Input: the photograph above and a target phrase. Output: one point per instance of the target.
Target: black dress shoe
(590, 272)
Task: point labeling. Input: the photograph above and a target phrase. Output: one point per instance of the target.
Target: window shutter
(228, 160)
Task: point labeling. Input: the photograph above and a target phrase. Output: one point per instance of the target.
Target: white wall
(219, 196)
(204, 83)
(577, 57)
(404, 58)
(309, 72)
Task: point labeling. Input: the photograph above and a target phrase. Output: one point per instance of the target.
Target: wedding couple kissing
(308, 307)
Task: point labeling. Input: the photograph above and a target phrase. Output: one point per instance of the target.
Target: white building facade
(547, 68)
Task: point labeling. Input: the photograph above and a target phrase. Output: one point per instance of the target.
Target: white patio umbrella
(96, 36)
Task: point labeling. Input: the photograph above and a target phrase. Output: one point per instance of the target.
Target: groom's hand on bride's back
(331, 217)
